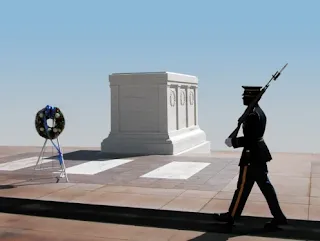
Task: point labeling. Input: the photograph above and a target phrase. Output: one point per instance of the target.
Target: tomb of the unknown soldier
(154, 114)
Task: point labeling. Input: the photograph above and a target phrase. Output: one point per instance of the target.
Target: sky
(61, 53)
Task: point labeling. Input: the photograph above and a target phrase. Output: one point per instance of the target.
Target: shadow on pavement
(203, 222)
(213, 237)
(89, 155)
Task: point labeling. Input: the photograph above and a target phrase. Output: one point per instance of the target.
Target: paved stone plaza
(23, 228)
(193, 183)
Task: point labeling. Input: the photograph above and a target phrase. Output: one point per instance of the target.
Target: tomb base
(189, 140)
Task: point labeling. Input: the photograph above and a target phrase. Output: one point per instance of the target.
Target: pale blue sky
(61, 53)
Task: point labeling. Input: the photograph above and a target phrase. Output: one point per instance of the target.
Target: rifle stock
(254, 103)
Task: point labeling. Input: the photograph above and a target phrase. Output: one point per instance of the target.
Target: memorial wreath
(43, 115)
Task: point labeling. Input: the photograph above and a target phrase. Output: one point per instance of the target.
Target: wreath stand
(61, 168)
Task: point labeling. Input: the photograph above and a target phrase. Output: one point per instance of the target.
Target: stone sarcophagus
(154, 114)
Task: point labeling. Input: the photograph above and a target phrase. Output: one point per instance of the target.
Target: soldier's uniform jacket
(255, 151)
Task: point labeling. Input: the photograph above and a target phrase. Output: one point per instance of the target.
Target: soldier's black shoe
(275, 223)
(223, 217)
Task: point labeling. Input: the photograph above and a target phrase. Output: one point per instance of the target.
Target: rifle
(254, 102)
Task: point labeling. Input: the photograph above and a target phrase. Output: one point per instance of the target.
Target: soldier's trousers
(247, 177)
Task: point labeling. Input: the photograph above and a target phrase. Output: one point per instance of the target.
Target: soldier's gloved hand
(228, 142)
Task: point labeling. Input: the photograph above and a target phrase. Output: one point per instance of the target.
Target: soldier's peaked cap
(251, 90)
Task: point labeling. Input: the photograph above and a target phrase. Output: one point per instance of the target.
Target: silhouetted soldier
(253, 165)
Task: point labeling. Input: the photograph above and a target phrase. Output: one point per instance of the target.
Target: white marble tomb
(154, 114)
